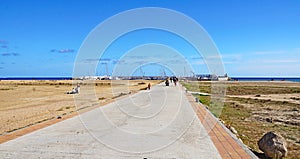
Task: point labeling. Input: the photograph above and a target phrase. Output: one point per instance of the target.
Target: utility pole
(106, 69)
(162, 72)
(142, 72)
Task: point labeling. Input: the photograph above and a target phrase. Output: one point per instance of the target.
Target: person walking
(167, 82)
(175, 79)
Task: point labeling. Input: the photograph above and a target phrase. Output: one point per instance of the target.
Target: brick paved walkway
(224, 141)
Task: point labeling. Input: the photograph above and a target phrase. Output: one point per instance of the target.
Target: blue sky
(254, 37)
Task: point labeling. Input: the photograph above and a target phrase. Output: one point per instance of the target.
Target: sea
(292, 79)
(36, 78)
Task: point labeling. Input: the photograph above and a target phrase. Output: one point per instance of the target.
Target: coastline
(234, 78)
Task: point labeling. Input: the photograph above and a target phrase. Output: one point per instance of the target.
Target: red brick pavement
(224, 142)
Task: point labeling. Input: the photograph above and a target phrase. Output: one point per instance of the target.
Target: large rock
(273, 145)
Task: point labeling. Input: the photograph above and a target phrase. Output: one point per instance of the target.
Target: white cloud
(63, 50)
(281, 61)
(264, 63)
(268, 52)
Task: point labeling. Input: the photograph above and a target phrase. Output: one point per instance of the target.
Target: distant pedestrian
(77, 89)
(149, 86)
(175, 79)
(167, 82)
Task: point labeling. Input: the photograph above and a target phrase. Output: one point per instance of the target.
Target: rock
(232, 129)
(270, 120)
(241, 140)
(222, 121)
(273, 145)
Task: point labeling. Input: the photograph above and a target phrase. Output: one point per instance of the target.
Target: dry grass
(255, 108)
(246, 88)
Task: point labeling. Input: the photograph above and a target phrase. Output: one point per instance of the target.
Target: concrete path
(159, 123)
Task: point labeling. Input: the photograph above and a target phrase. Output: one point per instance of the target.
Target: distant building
(211, 77)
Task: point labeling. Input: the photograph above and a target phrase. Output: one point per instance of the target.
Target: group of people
(172, 79)
(75, 90)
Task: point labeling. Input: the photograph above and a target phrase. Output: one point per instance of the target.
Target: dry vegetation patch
(254, 108)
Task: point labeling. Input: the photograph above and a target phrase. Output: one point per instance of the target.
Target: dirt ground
(254, 108)
(290, 98)
(27, 103)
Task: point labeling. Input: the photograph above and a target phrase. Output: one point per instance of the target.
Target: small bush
(295, 98)
(60, 109)
(121, 94)
(5, 89)
(101, 98)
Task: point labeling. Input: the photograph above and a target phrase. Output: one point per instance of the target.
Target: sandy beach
(30, 102)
